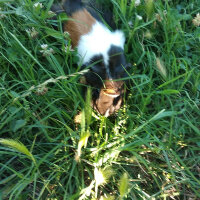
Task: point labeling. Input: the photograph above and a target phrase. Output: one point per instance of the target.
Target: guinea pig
(99, 48)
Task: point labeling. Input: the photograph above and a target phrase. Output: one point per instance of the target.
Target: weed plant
(150, 149)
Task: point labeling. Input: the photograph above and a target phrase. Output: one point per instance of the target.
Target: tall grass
(148, 150)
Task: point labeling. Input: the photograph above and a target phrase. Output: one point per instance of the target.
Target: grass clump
(148, 150)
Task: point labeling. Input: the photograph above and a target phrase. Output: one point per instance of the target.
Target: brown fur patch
(79, 24)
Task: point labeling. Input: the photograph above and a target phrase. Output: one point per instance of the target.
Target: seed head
(161, 67)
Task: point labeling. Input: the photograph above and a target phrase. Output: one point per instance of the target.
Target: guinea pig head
(105, 77)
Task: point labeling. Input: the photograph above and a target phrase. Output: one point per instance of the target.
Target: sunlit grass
(148, 150)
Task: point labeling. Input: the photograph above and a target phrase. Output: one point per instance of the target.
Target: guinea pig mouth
(111, 93)
(109, 100)
(107, 105)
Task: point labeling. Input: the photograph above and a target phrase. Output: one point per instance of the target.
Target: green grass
(149, 150)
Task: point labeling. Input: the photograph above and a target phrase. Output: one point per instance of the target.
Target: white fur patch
(99, 41)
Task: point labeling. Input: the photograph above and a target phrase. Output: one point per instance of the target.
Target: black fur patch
(94, 14)
(104, 9)
(117, 62)
(71, 6)
(97, 73)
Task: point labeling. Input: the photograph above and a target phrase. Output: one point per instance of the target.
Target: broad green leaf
(19, 11)
(16, 125)
(14, 94)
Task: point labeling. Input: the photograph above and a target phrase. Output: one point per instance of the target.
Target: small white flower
(51, 51)
(51, 14)
(45, 51)
(32, 33)
(66, 33)
(139, 17)
(68, 48)
(28, 31)
(38, 5)
(164, 12)
(137, 2)
(44, 46)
